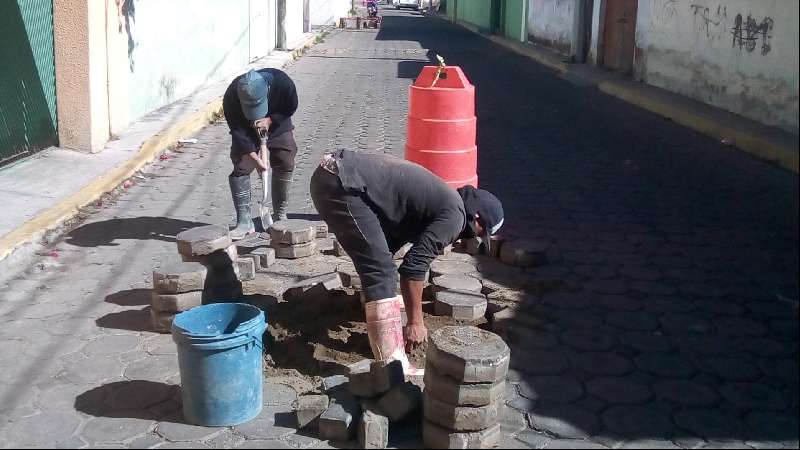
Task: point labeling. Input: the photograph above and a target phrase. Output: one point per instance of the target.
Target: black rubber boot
(240, 191)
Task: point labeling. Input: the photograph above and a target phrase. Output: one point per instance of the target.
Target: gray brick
(569, 422)
(386, 375)
(179, 277)
(401, 401)
(554, 389)
(292, 231)
(451, 391)
(203, 240)
(294, 251)
(373, 429)
(437, 437)
(175, 303)
(264, 257)
(161, 322)
(468, 354)
(247, 269)
(458, 283)
(462, 305)
(462, 418)
(687, 393)
(446, 267)
(308, 408)
(334, 382)
(619, 390)
(338, 422)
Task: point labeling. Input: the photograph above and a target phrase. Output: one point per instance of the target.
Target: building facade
(737, 55)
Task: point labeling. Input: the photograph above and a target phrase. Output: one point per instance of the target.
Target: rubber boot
(281, 183)
(240, 191)
(385, 332)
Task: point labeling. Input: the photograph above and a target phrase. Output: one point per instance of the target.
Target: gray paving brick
(635, 421)
(554, 389)
(619, 390)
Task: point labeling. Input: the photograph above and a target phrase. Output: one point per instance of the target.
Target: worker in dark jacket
(260, 101)
(375, 204)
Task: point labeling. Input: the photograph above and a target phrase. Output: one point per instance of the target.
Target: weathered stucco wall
(175, 47)
(739, 55)
(328, 12)
(550, 23)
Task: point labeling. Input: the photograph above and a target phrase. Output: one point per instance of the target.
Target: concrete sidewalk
(43, 193)
(768, 143)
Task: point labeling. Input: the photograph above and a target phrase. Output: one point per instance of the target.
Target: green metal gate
(27, 78)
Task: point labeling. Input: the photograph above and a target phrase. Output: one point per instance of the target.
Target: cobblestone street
(670, 322)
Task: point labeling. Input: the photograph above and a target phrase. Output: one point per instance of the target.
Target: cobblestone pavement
(674, 323)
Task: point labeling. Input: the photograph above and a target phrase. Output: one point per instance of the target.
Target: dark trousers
(358, 229)
(282, 151)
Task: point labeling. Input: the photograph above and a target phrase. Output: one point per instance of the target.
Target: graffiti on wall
(748, 33)
(710, 23)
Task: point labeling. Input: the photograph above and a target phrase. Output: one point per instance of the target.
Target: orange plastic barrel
(441, 125)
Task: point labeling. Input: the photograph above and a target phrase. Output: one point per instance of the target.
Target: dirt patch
(314, 337)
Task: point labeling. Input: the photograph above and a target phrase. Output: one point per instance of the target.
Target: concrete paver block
(247, 268)
(294, 251)
(450, 391)
(292, 231)
(361, 384)
(373, 428)
(446, 267)
(338, 422)
(386, 375)
(322, 229)
(334, 382)
(308, 408)
(437, 437)
(529, 252)
(314, 286)
(468, 354)
(179, 278)
(217, 258)
(462, 418)
(458, 283)
(175, 303)
(203, 240)
(401, 401)
(161, 322)
(462, 305)
(264, 257)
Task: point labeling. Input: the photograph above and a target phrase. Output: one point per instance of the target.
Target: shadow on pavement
(106, 232)
(661, 319)
(131, 320)
(136, 399)
(130, 297)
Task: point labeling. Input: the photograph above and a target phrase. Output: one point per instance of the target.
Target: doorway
(619, 34)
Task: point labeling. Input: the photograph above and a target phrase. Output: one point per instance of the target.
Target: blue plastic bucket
(220, 358)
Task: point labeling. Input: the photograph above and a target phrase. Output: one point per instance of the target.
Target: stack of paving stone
(458, 295)
(177, 288)
(294, 238)
(363, 404)
(255, 255)
(212, 247)
(464, 397)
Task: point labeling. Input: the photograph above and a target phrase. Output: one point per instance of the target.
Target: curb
(764, 142)
(53, 219)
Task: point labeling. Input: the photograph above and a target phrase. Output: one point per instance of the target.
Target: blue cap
(253, 89)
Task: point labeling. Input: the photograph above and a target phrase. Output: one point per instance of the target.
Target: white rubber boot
(385, 331)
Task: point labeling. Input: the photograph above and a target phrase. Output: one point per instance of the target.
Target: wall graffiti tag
(747, 33)
(708, 22)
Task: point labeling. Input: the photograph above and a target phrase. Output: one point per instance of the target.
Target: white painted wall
(262, 27)
(294, 21)
(550, 23)
(696, 48)
(328, 12)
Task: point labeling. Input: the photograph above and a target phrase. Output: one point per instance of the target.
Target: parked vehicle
(413, 4)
